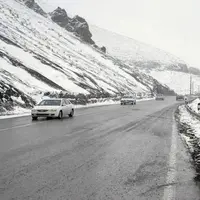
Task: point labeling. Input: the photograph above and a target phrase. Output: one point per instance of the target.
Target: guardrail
(192, 111)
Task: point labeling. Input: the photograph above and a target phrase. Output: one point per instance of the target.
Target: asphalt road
(110, 152)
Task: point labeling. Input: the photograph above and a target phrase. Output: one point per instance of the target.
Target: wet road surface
(110, 152)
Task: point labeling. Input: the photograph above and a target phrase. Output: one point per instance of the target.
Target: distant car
(160, 97)
(179, 97)
(198, 107)
(139, 96)
(186, 99)
(53, 108)
(130, 99)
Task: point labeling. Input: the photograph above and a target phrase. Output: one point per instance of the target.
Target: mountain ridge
(162, 66)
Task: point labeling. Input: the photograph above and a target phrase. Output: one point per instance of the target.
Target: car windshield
(50, 103)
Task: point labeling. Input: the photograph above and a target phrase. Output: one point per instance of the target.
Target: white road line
(170, 189)
(26, 125)
(20, 126)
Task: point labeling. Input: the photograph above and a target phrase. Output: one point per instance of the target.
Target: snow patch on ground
(17, 112)
(189, 127)
(193, 122)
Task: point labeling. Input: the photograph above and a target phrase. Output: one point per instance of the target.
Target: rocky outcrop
(34, 6)
(60, 17)
(81, 28)
(77, 24)
(8, 95)
(103, 49)
(194, 71)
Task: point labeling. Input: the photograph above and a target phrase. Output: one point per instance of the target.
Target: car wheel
(34, 118)
(135, 102)
(60, 115)
(72, 113)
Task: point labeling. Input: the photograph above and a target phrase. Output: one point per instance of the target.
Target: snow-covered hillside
(37, 55)
(164, 67)
(131, 50)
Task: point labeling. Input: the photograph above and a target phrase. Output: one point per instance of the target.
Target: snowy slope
(178, 81)
(37, 56)
(129, 49)
(74, 63)
(164, 67)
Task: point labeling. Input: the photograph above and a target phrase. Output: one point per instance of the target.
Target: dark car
(179, 97)
(131, 99)
(160, 97)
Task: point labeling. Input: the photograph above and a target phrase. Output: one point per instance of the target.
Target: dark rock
(34, 6)
(6, 101)
(183, 67)
(95, 46)
(194, 71)
(103, 49)
(81, 28)
(77, 24)
(60, 17)
(160, 89)
(178, 67)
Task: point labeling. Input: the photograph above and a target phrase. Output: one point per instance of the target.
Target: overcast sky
(172, 25)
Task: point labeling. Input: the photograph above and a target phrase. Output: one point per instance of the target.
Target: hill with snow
(164, 67)
(37, 55)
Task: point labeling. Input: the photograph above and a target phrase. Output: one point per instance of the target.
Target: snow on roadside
(187, 118)
(189, 127)
(20, 112)
(17, 112)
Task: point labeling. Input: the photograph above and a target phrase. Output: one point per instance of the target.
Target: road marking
(169, 191)
(20, 126)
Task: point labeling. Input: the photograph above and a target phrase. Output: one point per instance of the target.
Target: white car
(51, 108)
(129, 99)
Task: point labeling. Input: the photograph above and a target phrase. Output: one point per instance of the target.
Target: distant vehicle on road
(139, 95)
(53, 108)
(198, 107)
(160, 97)
(186, 99)
(179, 97)
(129, 99)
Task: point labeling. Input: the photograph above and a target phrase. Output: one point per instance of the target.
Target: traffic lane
(26, 120)
(31, 133)
(129, 161)
(77, 149)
